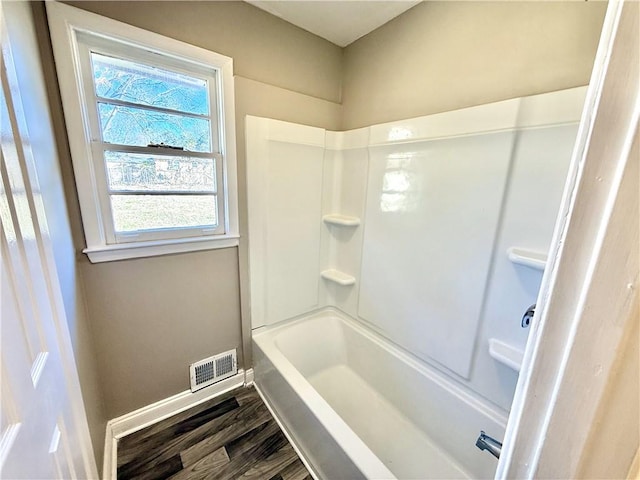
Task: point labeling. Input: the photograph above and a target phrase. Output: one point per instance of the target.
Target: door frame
(588, 301)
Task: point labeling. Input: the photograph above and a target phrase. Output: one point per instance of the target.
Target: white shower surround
(341, 392)
(514, 151)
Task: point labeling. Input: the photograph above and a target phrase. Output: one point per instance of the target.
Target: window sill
(123, 251)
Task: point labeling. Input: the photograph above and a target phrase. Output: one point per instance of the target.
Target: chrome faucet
(485, 442)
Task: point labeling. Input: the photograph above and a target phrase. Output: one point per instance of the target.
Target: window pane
(135, 126)
(133, 82)
(144, 212)
(136, 172)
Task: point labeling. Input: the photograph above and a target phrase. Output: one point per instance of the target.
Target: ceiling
(340, 22)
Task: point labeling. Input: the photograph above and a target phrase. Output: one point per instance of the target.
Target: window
(151, 141)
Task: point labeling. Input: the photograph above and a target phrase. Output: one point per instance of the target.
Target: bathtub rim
(285, 429)
(432, 372)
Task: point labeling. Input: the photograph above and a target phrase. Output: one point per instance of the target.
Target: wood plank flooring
(232, 436)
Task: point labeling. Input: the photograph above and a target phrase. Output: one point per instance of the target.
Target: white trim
(284, 429)
(280, 131)
(588, 287)
(562, 107)
(543, 110)
(228, 132)
(347, 140)
(256, 129)
(38, 367)
(7, 439)
(154, 248)
(553, 108)
(145, 416)
(68, 25)
(55, 440)
(110, 458)
(249, 377)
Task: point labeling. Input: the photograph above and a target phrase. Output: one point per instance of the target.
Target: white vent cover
(213, 369)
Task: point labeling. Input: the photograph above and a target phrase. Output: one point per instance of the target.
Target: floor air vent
(213, 369)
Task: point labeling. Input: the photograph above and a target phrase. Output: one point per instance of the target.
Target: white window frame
(74, 32)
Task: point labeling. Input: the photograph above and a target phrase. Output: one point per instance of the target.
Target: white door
(43, 427)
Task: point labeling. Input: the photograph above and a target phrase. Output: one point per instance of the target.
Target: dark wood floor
(232, 436)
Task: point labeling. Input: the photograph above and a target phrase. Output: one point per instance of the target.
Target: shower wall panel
(284, 186)
(344, 192)
(540, 164)
(431, 219)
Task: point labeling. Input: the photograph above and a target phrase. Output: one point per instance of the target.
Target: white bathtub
(357, 407)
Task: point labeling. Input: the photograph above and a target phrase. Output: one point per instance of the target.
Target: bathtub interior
(406, 228)
(315, 347)
(313, 427)
(411, 417)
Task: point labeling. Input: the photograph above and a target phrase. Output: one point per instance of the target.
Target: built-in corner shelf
(506, 354)
(341, 220)
(528, 258)
(338, 277)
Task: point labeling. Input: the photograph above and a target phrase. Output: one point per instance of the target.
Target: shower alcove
(390, 268)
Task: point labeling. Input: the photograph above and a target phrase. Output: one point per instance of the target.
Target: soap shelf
(506, 354)
(338, 277)
(528, 258)
(341, 220)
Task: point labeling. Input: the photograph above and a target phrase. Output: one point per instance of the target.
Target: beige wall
(263, 47)
(440, 56)
(150, 318)
(153, 317)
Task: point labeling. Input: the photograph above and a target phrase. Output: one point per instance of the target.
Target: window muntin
(123, 125)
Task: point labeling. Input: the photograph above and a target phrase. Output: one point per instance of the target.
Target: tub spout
(485, 442)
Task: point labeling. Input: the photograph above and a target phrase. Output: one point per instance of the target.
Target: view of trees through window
(143, 106)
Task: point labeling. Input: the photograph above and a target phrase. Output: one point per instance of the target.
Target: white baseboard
(145, 416)
(248, 377)
(109, 461)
